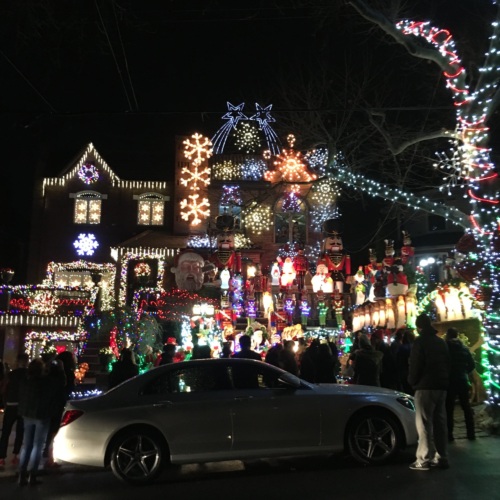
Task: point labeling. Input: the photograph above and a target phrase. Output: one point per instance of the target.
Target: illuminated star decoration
(85, 244)
(289, 167)
(263, 117)
(233, 116)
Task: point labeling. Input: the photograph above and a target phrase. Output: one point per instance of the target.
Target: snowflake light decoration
(253, 169)
(194, 208)
(290, 166)
(454, 168)
(317, 159)
(88, 173)
(247, 138)
(199, 150)
(85, 244)
(258, 218)
(194, 177)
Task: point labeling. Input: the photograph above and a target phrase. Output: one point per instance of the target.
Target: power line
(25, 78)
(96, 3)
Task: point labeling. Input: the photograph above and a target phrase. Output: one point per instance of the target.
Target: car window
(250, 376)
(192, 378)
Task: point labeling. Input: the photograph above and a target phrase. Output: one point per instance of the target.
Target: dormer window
(151, 209)
(87, 207)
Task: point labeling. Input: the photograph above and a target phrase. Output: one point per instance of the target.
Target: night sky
(130, 75)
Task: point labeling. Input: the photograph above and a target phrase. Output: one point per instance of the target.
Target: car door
(191, 404)
(269, 417)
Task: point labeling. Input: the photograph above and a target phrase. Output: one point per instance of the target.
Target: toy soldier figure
(338, 262)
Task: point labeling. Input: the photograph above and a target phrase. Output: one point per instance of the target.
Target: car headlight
(407, 403)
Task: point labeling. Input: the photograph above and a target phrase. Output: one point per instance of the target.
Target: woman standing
(37, 395)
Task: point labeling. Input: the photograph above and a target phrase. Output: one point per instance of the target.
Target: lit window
(151, 210)
(87, 207)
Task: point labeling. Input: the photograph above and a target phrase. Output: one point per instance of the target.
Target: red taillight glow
(70, 416)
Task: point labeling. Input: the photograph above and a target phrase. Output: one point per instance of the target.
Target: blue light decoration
(85, 244)
(231, 195)
(88, 173)
(263, 118)
(234, 115)
(318, 160)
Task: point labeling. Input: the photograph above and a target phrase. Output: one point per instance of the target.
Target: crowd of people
(34, 396)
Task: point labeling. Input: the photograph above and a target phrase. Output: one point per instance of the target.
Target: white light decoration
(257, 218)
(85, 244)
(194, 176)
(317, 159)
(151, 212)
(43, 302)
(194, 208)
(247, 138)
(199, 150)
(235, 115)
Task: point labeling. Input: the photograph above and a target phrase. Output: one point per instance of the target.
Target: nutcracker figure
(225, 257)
(301, 267)
(305, 310)
(337, 261)
(371, 270)
(338, 306)
(388, 259)
(407, 251)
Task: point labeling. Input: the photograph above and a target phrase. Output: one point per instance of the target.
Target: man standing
(429, 376)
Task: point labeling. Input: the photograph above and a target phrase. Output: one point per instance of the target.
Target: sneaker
(440, 463)
(419, 465)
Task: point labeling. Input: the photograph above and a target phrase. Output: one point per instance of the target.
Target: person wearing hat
(429, 374)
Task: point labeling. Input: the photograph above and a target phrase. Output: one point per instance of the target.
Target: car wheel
(373, 438)
(136, 457)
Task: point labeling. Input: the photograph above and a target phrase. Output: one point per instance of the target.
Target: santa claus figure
(287, 273)
(334, 256)
(360, 287)
(397, 282)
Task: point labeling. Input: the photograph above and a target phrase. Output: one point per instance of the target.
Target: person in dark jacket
(462, 364)
(38, 395)
(429, 375)
(11, 415)
(287, 360)
(123, 369)
(367, 363)
(403, 361)
(62, 368)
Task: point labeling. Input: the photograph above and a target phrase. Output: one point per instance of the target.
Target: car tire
(373, 438)
(137, 457)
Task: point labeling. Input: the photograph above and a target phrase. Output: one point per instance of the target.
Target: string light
(257, 218)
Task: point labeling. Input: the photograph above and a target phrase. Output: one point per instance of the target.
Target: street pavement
(473, 475)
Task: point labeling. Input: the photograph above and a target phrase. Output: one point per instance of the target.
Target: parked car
(229, 409)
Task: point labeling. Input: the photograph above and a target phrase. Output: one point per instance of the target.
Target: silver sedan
(229, 409)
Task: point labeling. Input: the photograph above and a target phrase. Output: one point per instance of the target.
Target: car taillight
(70, 416)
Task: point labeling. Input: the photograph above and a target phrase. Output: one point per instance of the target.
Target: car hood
(357, 390)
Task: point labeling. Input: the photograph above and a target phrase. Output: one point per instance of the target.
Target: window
(151, 209)
(290, 220)
(87, 207)
(190, 379)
